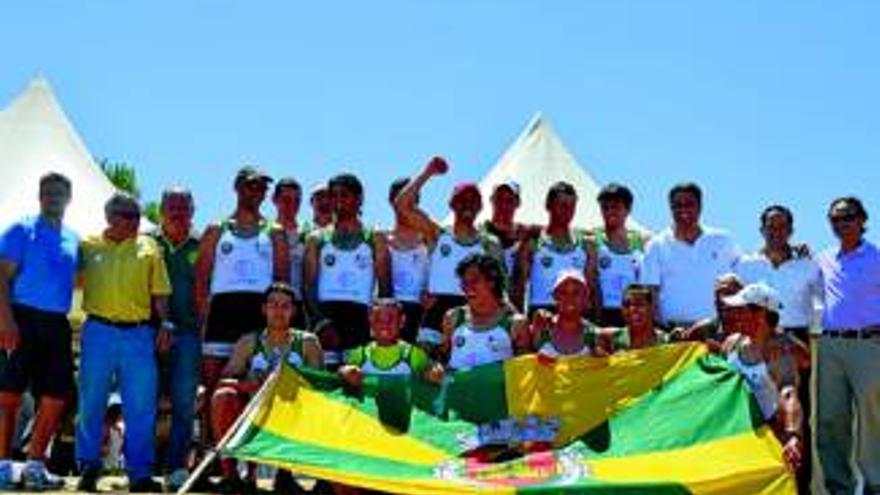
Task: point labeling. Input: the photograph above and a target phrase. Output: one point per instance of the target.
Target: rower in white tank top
(242, 264)
(346, 275)
(548, 260)
(617, 270)
(473, 346)
(409, 272)
(447, 253)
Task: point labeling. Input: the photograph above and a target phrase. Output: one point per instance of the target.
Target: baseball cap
(759, 294)
(569, 274)
(463, 187)
(510, 184)
(249, 173)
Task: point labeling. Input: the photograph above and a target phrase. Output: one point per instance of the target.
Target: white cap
(759, 294)
(569, 274)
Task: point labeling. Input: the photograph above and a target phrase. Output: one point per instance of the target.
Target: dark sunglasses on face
(128, 215)
(844, 218)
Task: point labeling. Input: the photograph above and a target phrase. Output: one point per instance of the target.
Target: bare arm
(9, 336)
(591, 274)
(204, 268)
(382, 264)
(522, 270)
(238, 364)
(313, 356)
(280, 255)
(407, 201)
(311, 265)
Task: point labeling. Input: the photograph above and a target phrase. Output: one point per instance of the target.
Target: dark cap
(249, 173)
(510, 184)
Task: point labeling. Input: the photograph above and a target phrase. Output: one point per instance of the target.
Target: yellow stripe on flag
(297, 412)
(583, 392)
(746, 463)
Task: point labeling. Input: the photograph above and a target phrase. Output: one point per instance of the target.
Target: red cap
(463, 187)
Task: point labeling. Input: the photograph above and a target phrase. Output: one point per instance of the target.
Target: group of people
(177, 314)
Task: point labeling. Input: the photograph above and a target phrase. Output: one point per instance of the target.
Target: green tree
(124, 177)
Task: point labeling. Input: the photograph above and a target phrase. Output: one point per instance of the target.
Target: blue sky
(759, 102)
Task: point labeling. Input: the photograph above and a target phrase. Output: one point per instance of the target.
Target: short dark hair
(396, 187)
(559, 189)
(280, 287)
(687, 187)
(785, 212)
(286, 183)
(177, 191)
(490, 267)
(347, 181)
(639, 290)
(55, 178)
(616, 191)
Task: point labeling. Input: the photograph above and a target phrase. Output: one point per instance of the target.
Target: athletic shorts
(231, 315)
(44, 359)
(351, 321)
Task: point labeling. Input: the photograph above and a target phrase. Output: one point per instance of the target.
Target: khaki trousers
(848, 390)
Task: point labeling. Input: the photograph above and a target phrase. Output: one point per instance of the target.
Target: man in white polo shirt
(684, 260)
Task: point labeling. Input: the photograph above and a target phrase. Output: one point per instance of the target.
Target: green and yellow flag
(671, 419)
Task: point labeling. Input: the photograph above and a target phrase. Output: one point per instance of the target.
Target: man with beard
(558, 248)
(238, 259)
(345, 264)
(447, 246)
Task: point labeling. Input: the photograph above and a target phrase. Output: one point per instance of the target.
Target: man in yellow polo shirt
(125, 292)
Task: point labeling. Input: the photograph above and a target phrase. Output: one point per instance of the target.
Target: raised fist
(437, 166)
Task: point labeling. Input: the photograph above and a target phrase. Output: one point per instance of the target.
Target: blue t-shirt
(47, 260)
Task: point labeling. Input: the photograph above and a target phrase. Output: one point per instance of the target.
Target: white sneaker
(36, 478)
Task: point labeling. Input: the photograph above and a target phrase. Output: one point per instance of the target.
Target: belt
(852, 333)
(118, 323)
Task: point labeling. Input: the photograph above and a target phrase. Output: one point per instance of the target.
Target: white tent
(36, 137)
(537, 160)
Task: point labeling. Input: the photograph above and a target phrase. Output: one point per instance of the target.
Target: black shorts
(351, 320)
(612, 317)
(44, 359)
(433, 318)
(233, 314)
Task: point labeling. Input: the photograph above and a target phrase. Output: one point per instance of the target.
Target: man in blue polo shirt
(848, 357)
(38, 262)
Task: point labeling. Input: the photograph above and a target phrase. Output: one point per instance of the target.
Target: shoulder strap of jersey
(636, 241)
(459, 316)
(406, 353)
(359, 355)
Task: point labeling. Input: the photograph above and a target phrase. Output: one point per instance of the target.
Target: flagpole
(244, 416)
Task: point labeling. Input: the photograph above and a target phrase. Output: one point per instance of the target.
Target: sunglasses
(127, 214)
(845, 218)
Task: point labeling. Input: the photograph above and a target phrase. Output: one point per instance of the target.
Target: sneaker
(36, 478)
(176, 480)
(88, 480)
(145, 485)
(6, 480)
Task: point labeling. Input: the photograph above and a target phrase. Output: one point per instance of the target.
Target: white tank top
(444, 260)
(760, 383)
(475, 347)
(400, 368)
(549, 350)
(409, 272)
(346, 275)
(265, 361)
(242, 264)
(617, 271)
(547, 262)
(510, 258)
(297, 258)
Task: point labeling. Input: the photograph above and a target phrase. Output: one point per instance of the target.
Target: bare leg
(49, 414)
(9, 403)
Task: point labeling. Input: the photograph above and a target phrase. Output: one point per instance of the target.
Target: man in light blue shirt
(38, 263)
(848, 366)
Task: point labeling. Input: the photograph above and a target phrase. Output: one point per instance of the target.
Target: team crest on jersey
(329, 260)
(547, 261)
(604, 262)
(459, 341)
(362, 262)
(226, 247)
(445, 249)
